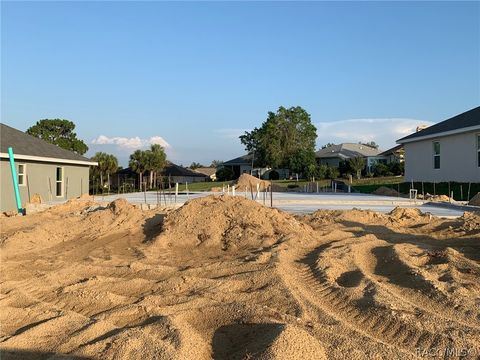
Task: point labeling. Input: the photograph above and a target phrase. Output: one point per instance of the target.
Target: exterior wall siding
(458, 159)
(36, 181)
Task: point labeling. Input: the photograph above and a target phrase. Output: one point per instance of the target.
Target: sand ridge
(224, 277)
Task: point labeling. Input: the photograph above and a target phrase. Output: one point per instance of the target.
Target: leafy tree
(58, 132)
(224, 174)
(216, 164)
(357, 164)
(195, 165)
(327, 145)
(285, 139)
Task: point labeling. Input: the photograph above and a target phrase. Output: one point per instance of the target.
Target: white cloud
(130, 143)
(384, 131)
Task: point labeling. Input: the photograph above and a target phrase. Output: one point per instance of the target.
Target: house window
(21, 174)
(59, 182)
(436, 155)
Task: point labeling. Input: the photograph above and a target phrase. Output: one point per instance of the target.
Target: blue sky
(193, 76)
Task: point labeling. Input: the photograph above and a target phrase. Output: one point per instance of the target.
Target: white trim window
(59, 181)
(22, 174)
(436, 154)
(478, 150)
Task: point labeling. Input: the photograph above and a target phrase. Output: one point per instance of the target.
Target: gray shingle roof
(172, 169)
(241, 160)
(24, 144)
(467, 119)
(347, 151)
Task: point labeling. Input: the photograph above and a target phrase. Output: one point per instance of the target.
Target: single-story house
(244, 165)
(211, 172)
(446, 151)
(181, 175)
(53, 173)
(171, 172)
(334, 155)
(395, 154)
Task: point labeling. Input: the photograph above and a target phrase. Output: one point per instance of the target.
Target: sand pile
(475, 201)
(322, 217)
(68, 221)
(407, 214)
(247, 182)
(470, 222)
(80, 283)
(385, 191)
(437, 198)
(227, 223)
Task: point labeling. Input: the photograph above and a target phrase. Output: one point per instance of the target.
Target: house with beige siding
(446, 151)
(53, 173)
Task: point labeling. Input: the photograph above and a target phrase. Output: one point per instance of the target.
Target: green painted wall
(38, 175)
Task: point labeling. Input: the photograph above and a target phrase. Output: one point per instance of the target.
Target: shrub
(380, 169)
(332, 172)
(224, 174)
(322, 172)
(397, 168)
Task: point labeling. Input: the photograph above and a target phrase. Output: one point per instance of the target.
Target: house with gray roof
(446, 151)
(334, 155)
(53, 173)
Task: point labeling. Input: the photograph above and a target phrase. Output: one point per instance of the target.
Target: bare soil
(226, 278)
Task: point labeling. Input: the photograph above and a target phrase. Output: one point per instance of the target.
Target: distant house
(181, 175)
(53, 173)
(446, 151)
(395, 154)
(171, 172)
(207, 171)
(334, 155)
(243, 165)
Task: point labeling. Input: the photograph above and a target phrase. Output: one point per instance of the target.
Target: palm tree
(110, 167)
(357, 164)
(156, 160)
(101, 159)
(138, 163)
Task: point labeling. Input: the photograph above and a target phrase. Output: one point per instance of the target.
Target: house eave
(439, 134)
(49, 159)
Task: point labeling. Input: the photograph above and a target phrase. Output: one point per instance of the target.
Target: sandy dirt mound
(385, 191)
(408, 214)
(323, 217)
(247, 182)
(437, 198)
(227, 223)
(475, 201)
(470, 222)
(101, 282)
(67, 221)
